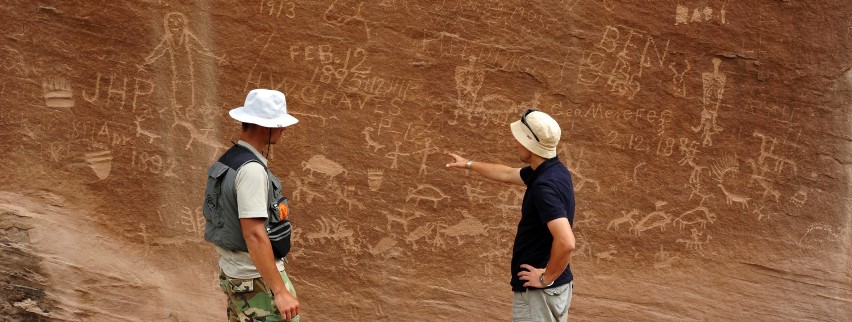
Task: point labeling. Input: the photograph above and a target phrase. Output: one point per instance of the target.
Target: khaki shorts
(251, 300)
(549, 304)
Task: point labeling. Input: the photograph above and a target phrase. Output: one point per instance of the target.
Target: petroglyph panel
(701, 136)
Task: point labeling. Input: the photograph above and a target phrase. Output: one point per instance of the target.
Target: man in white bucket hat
(541, 277)
(247, 216)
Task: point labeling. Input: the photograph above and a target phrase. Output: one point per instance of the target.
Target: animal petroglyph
(469, 227)
(100, 162)
(731, 197)
(767, 151)
(699, 215)
(331, 230)
(321, 164)
(818, 233)
(421, 232)
(401, 218)
(57, 93)
(656, 218)
(140, 131)
(203, 136)
(800, 198)
(723, 166)
(628, 217)
(370, 142)
(382, 247)
(606, 255)
(426, 192)
(475, 194)
(302, 187)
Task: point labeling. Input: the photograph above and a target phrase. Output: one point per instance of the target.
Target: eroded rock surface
(709, 143)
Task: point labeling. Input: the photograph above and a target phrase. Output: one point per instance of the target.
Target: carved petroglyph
(321, 164)
(57, 150)
(425, 152)
(475, 194)
(699, 15)
(140, 131)
(341, 12)
(370, 142)
(203, 136)
(800, 198)
(767, 154)
(100, 162)
(758, 175)
(193, 220)
(585, 219)
(700, 216)
(724, 165)
(761, 213)
(401, 218)
(469, 80)
(689, 150)
(375, 178)
(303, 188)
(575, 165)
(421, 232)
(731, 197)
(714, 89)
(627, 217)
(819, 233)
(394, 156)
(677, 78)
(695, 243)
(608, 255)
(58, 93)
(656, 218)
(332, 230)
(181, 45)
(382, 247)
(664, 259)
(344, 194)
(470, 226)
(426, 192)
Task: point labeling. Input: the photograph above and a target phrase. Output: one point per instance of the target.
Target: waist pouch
(279, 228)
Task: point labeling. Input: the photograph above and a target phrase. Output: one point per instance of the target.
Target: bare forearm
(560, 255)
(496, 172)
(260, 251)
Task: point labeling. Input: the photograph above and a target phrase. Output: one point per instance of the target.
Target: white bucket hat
(264, 107)
(538, 132)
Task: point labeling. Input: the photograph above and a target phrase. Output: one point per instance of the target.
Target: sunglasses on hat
(524, 121)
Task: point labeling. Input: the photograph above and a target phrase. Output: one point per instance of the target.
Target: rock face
(709, 143)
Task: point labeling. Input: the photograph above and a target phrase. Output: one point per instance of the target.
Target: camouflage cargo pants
(251, 299)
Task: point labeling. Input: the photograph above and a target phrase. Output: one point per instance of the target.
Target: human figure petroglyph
(699, 215)
(689, 150)
(140, 131)
(181, 45)
(714, 88)
(394, 156)
(677, 78)
(343, 194)
(469, 80)
(426, 192)
(757, 175)
(425, 152)
(627, 217)
(319, 163)
(731, 197)
(767, 151)
(58, 93)
(656, 218)
(695, 243)
(370, 142)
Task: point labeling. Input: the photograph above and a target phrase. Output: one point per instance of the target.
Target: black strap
(237, 156)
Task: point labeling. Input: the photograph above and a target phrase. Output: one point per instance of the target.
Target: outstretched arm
(497, 172)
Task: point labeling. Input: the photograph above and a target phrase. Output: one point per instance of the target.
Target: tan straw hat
(264, 107)
(538, 132)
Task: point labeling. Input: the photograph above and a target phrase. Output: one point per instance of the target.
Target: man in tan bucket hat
(247, 216)
(541, 276)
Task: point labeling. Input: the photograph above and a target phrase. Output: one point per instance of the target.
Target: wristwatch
(541, 281)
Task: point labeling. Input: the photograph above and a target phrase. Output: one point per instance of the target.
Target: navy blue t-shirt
(549, 195)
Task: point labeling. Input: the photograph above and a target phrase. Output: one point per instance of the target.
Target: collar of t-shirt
(542, 168)
(251, 148)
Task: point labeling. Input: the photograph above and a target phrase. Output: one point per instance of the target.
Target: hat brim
(285, 120)
(525, 137)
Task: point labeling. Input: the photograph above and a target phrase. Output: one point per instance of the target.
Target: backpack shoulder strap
(237, 156)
